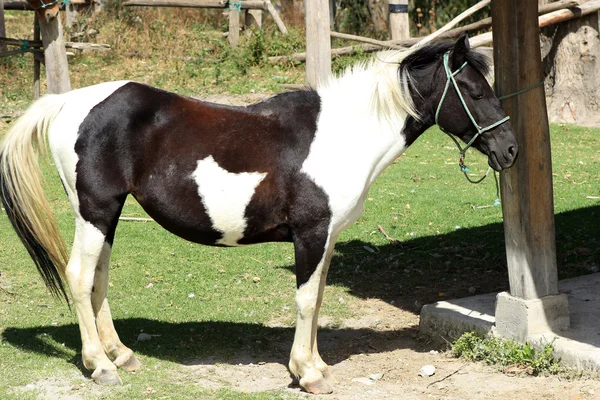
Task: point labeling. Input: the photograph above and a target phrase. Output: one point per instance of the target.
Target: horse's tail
(22, 190)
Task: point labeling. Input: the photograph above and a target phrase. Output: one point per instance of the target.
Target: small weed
(512, 357)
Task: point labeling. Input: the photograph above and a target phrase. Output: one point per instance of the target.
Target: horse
(292, 168)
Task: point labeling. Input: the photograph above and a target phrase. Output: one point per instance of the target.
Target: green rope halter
(461, 162)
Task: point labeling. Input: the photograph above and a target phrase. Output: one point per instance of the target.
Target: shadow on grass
(211, 342)
(457, 264)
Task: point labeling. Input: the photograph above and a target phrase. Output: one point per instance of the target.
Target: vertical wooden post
(2, 25)
(71, 12)
(399, 27)
(57, 67)
(253, 17)
(234, 22)
(36, 59)
(332, 11)
(527, 198)
(318, 41)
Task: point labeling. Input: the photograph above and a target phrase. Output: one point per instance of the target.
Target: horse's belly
(213, 206)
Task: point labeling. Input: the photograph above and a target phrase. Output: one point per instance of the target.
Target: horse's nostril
(512, 151)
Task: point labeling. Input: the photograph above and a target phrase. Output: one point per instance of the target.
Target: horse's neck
(364, 136)
(352, 146)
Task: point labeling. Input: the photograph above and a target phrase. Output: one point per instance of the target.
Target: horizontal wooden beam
(37, 44)
(487, 22)
(17, 5)
(246, 4)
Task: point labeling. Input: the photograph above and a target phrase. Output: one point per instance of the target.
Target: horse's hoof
(318, 387)
(329, 376)
(131, 363)
(106, 377)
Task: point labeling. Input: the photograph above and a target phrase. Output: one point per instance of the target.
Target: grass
(507, 355)
(445, 247)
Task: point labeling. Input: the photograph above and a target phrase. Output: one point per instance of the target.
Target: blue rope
(235, 6)
(45, 5)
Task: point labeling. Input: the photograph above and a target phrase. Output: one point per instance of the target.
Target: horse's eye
(477, 96)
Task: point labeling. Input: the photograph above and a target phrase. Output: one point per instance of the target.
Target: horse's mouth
(493, 162)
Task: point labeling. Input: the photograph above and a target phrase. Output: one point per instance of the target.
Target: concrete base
(520, 319)
(578, 346)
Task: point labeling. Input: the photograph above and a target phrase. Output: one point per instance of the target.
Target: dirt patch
(73, 387)
(379, 357)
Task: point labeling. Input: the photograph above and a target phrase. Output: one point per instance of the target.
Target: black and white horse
(294, 168)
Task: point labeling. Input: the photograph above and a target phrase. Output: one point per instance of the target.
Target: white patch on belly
(225, 196)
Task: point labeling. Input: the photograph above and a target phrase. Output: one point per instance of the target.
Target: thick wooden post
(527, 199)
(399, 27)
(57, 67)
(318, 41)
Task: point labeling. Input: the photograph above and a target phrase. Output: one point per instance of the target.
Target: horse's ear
(459, 53)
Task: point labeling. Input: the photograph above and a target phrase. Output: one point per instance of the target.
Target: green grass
(506, 354)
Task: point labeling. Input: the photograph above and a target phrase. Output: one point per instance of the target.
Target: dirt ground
(380, 358)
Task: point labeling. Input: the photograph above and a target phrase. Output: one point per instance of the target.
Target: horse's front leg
(313, 255)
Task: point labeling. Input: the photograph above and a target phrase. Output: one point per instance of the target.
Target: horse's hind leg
(80, 273)
(121, 355)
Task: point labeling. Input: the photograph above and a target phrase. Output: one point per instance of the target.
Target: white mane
(380, 79)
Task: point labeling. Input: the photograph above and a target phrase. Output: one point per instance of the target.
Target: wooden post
(534, 303)
(253, 17)
(399, 27)
(234, 22)
(36, 59)
(71, 12)
(332, 12)
(318, 42)
(57, 67)
(2, 25)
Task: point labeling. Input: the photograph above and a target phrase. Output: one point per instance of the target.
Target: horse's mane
(428, 54)
(392, 72)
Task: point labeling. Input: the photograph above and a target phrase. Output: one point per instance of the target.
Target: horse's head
(45, 9)
(452, 91)
(469, 109)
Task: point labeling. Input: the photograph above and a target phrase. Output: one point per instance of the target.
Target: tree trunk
(571, 53)
(379, 14)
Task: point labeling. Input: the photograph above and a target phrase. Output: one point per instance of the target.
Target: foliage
(430, 15)
(505, 353)
(353, 17)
